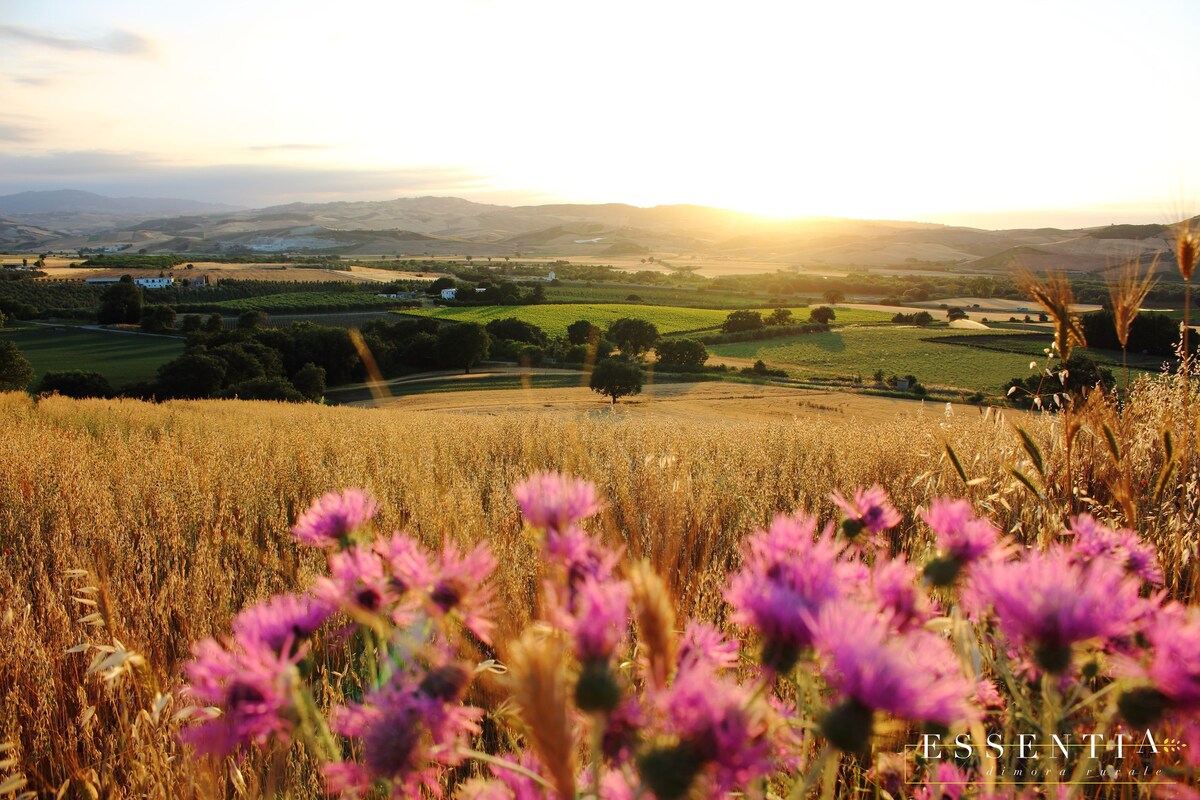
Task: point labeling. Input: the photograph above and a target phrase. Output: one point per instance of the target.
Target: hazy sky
(996, 114)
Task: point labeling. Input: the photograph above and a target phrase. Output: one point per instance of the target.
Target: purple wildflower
(250, 684)
(787, 575)
(1124, 547)
(988, 697)
(704, 646)
(622, 727)
(872, 668)
(962, 539)
(555, 502)
(1048, 601)
(284, 621)
(721, 733)
(356, 581)
(1172, 671)
(332, 517)
(870, 510)
(407, 738)
(948, 782)
(460, 585)
(897, 590)
(407, 560)
(598, 622)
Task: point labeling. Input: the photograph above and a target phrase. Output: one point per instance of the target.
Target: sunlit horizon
(1033, 115)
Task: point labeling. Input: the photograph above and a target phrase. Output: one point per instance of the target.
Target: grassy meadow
(122, 358)
(970, 360)
(129, 530)
(555, 317)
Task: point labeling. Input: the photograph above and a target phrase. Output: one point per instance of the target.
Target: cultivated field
(146, 527)
(121, 357)
(860, 351)
(554, 318)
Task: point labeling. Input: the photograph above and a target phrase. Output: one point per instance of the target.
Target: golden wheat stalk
(541, 687)
(655, 617)
(1054, 294)
(1127, 292)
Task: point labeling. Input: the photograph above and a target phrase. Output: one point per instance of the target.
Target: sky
(993, 114)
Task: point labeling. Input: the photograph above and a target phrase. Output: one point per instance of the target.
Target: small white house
(449, 294)
(154, 283)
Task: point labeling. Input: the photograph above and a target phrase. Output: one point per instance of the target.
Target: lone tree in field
(16, 372)
(822, 314)
(462, 345)
(633, 336)
(955, 313)
(615, 379)
(833, 296)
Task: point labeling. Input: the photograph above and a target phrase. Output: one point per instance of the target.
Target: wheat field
(129, 530)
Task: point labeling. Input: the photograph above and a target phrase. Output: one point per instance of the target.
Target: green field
(120, 357)
(854, 352)
(652, 295)
(554, 318)
(293, 303)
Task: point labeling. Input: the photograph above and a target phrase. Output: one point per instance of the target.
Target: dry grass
(150, 526)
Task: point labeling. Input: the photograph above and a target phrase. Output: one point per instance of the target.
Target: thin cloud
(287, 147)
(121, 174)
(115, 42)
(20, 134)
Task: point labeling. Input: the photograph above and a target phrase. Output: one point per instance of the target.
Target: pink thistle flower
(960, 534)
(896, 587)
(1047, 602)
(580, 555)
(948, 782)
(331, 518)
(622, 728)
(460, 586)
(988, 697)
(1124, 547)
(251, 686)
(787, 575)
(407, 737)
(872, 668)
(284, 621)
(870, 510)
(1172, 671)
(508, 784)
(721, 731)
(1175, 655)
(555, 502)
(599, 620)
(703, 646)
(356, 581)
(407, 560)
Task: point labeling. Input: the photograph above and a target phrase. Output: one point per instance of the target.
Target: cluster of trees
(1152, 334)
(294, 363)
(15, 370)
(490, 292)
(743, 321)
(919, 318)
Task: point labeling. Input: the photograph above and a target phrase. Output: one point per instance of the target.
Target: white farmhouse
(449, 294)
(154, 283)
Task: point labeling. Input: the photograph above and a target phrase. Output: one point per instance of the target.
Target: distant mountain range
(413, 227)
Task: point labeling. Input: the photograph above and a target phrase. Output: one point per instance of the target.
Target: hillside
(450, 226)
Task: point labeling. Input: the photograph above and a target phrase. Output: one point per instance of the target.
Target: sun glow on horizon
(863, 110)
